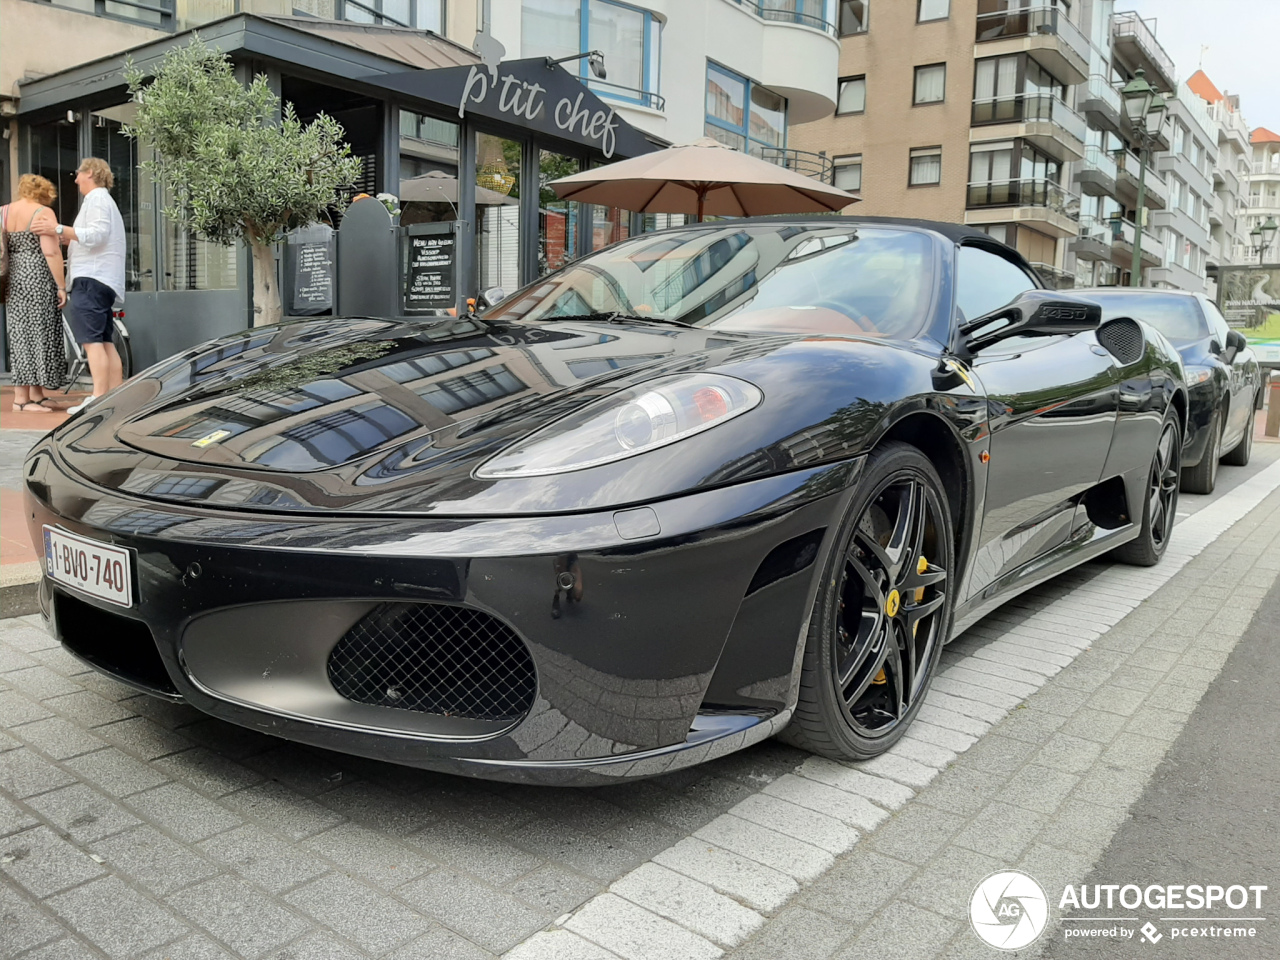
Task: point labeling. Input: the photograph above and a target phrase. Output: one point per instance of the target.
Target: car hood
(378, 416)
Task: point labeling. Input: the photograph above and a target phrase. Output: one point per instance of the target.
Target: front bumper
(674, 639)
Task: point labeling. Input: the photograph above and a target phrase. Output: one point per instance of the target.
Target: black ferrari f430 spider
(701, 487)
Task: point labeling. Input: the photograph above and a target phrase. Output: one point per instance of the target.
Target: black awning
(533, 94)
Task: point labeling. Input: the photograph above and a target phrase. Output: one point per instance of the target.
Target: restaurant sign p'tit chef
(533, 94)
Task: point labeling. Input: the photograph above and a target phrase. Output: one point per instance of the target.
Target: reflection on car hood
(379, 415)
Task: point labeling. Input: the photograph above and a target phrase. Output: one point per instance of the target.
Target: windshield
(1177, 317)
(835, 279)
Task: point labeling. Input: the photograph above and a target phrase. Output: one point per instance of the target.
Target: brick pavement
(131, 827)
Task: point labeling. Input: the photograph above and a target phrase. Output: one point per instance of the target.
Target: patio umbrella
(704, 177)
(438, 187)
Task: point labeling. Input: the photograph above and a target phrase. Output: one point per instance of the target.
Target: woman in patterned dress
(37, 293)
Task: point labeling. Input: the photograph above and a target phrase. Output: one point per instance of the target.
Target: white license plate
(91, 567)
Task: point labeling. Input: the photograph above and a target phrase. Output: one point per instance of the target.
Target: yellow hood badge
(210, 438)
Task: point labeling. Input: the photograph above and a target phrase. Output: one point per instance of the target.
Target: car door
(1240, 385)
(1052, 404)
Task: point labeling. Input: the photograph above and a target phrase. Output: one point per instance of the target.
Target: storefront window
(189, 263)
(743, 114)
(558, 220)
(428, 169)
(55, 155)
(629, 38)
(497, 212)
(132, 192)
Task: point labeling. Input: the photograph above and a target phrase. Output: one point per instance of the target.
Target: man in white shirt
(95, 253)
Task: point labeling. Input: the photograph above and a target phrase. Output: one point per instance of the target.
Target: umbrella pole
(702, 196)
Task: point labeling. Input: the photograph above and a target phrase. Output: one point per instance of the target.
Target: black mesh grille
(448, 661)
(1123, 339)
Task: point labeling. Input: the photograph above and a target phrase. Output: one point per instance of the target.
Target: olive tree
(233, 165)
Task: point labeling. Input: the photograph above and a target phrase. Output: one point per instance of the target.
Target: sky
(1242, 47)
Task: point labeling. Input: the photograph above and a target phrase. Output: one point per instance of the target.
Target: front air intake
(437, 659)
(1123, 339)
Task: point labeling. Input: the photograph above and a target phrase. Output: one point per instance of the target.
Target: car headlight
(1198, 375)
(625, 424)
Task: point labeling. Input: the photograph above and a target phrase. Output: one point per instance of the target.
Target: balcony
(1134, 43)
(632, 95)
(806, 13)
(1129, 167)
(1101, 101)
(1214, 258)
(804, 162)
(1217, 210)
(1043, 31)
(1093, 242)
(1097, 174)
(1042, 203)
(1122, 237)
(1044, 120)
(1265, 167)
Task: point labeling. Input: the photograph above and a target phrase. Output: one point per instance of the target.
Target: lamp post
(1145, 109)
(1262, 236)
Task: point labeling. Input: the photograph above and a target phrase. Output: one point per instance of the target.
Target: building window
(742, 113)
(931, 83)
(848, 172)
(926, 167)
(933, 10)
(629, 38)
(1179, 138)
(853, 17)
(853, 95)
(419, 14)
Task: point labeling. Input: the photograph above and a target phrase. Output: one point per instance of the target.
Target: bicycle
(78, 363)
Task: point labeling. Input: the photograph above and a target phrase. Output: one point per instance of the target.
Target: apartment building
(1228, 219)
(1007, 115)
(1263, 193)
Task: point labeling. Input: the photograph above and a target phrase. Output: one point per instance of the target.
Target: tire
(1203, 477)
(1160, 504)
(120, 338)
(1239, 455)
(882, 612)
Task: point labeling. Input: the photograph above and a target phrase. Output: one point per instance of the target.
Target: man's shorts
(88, 309)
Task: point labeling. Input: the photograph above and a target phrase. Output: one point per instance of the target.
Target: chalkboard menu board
(309, 269)
(430, 268)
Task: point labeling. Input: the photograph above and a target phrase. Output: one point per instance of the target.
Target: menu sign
(429, 275)
(312, 271)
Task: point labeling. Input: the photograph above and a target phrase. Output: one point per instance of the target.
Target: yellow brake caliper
(921, 567)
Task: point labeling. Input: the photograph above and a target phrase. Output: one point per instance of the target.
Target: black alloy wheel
(1160, 505)
(1203, 477)
(882, 614)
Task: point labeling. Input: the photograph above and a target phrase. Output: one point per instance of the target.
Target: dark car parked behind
(1224, 382)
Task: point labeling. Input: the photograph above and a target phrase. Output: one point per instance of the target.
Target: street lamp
(1145, 109)
(1262, 236)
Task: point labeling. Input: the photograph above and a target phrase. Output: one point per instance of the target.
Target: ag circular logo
(1008, 910)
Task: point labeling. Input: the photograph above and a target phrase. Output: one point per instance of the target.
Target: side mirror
(491, 296)
(1036, 313)
(1235, 343)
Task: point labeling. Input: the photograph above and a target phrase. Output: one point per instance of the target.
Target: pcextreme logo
(1008, 910)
